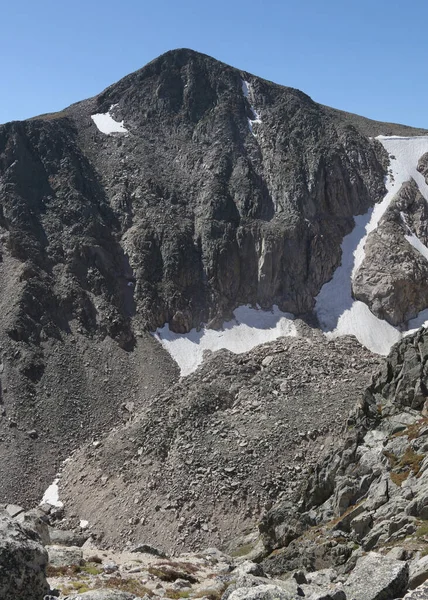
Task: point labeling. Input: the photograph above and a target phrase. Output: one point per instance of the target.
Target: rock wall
(372, 495)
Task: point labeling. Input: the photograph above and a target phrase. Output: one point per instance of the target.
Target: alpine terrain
(213, 359)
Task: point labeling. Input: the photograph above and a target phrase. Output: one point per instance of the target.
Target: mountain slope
(213, 189)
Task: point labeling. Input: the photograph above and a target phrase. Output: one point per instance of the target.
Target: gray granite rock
(377, 577)
(22, 563)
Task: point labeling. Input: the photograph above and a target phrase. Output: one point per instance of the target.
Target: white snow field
(246, 90)
(106, 124)
(51, 496)
(338, 313)
(249, 328)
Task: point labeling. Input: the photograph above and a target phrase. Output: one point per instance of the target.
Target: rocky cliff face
(392, 279)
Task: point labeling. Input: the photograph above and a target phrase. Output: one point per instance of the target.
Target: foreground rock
(377, 578)
(105, 595)
(22, 563)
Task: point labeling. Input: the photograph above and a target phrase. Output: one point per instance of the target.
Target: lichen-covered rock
(22, 563)
(377, 577)
(107, 595)
(65, 556)
(418, 572)
(262, 592)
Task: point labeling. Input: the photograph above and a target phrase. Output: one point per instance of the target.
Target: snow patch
(246, 90)
(338, 313)
(417, 244)
(249, 328)
(106, 124)
(51, 496)
(84, 524)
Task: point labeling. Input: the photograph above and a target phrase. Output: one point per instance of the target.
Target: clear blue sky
(368, 57)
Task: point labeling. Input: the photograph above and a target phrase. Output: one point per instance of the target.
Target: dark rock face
(214, 215)
(22, 563)
(209, 215)
(392, 279)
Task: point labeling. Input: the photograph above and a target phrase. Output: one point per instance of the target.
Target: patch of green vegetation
(422, 530)
(243, 550)
(132, 586)
(50, 116)
(80, 587)
(91, 569)
(399, 478)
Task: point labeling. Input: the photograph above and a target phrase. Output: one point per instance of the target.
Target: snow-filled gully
(338, 313)
(246, 90)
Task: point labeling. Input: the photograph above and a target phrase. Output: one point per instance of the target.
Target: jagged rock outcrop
(392, 279)
(22, 563)
(373, 494)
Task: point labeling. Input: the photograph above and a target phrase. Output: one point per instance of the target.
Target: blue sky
(367, 57)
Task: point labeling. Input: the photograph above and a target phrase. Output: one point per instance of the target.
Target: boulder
(377, 577)
(262, 592)
(13, 510)
(60, 556)
(418, 572)
(61, 537)
(107, 595)
(312, 592)
(288, 587)
(22, 563)
(32, 521)
(249, 568)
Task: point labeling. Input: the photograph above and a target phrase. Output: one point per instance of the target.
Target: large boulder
(22, 563)
(262, 592)
(106, 595)
(65, 556)
(377, 577)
